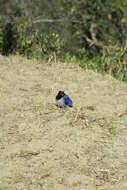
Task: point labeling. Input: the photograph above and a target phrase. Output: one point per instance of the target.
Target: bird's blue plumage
(67, 101)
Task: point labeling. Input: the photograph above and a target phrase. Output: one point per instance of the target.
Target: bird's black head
(60, 95)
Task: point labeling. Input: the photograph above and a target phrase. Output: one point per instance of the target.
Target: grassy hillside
(43, 147)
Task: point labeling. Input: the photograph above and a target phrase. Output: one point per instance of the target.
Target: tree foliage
(78, 30)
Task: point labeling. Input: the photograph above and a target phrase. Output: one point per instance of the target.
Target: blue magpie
(63, 100)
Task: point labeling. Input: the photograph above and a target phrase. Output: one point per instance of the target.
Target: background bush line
(90, 33)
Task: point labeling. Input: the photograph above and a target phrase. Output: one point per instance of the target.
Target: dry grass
(43, 147)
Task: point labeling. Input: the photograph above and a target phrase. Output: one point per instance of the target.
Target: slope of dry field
(43, 147)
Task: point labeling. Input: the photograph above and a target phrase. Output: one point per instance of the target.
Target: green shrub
(113, 62)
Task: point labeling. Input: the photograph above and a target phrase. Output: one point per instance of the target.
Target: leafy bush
(90, 33)
(113, 62)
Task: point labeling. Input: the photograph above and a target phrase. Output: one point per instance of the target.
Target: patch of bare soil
(43, 147)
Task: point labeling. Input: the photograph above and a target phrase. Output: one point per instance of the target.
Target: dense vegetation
(92, 33)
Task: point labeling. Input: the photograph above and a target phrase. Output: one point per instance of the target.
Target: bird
(63, 100)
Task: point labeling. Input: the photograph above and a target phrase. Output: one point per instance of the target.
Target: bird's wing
(67, 101)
